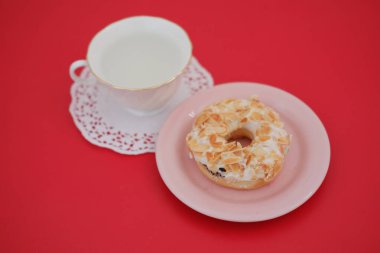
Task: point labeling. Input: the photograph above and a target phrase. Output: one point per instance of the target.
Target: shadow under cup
(141, 60)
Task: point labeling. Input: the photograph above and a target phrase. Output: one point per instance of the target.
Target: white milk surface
(141, 60)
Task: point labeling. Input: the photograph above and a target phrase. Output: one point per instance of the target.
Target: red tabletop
(59, 193)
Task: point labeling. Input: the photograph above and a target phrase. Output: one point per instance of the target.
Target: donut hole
(241, 135)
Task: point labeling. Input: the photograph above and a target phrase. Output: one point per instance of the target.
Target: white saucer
(105, 123)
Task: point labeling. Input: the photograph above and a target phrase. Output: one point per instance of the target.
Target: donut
(213, 143)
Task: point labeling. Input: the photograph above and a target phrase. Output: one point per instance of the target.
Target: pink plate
(305, 166)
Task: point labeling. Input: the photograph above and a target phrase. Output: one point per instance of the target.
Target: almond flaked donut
(225, 161)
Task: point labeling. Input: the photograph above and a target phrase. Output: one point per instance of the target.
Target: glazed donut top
(210, 145)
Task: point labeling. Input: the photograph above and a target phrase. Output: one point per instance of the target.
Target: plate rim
(245, 220)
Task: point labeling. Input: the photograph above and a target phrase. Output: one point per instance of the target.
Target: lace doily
(105, 123)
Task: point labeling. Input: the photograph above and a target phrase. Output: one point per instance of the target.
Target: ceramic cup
(141, 59)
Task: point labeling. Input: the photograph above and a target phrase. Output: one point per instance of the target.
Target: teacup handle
(74, 66)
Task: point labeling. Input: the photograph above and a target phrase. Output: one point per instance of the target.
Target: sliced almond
(227, 101)
(209, 156)
(214, 142)
(213, 138)
(236, 168)
(230, 146)
(216, 157)
(220, 129)
(256, 116)
(264, 138)
(283, 140)
(199, 148)
(273, 115)
(249, 159)
(233, 153)
(257, 104)
(247, 151)
(238, 152)
(189, 137)
(226, 155)
(244, 120)
(277, 166)
(217, 144)
(232, 160)
(201, 119)
(230, 116)
(195, 153)
(241, 109)
(216, 117)
(265, 129)
(191, 142)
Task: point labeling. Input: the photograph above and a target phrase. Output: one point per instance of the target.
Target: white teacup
(141, 59)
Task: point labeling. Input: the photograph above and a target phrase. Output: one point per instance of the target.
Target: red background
(59, 193)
